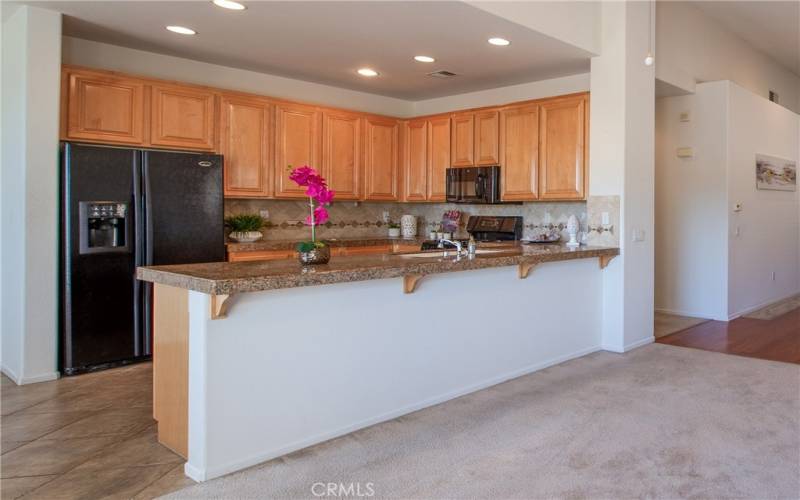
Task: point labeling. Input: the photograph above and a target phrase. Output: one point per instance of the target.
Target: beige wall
(691, 47)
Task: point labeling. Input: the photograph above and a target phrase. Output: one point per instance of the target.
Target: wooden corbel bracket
(410, 282)
(605, 259)
(524, 269)
(219, 306)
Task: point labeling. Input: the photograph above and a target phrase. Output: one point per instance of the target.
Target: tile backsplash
(365, 219)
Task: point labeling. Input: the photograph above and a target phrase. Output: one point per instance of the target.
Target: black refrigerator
(122, 208)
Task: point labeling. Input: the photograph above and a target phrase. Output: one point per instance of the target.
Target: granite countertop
(225, 278)
(363, 241)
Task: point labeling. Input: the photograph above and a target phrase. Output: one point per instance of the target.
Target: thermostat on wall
(685, 152)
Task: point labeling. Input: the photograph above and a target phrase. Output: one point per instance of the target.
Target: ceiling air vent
(442, 74)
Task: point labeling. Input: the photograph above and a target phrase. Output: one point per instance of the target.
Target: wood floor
(777, 339)
(90, 436)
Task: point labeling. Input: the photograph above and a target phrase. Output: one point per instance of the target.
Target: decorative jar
(318, 255)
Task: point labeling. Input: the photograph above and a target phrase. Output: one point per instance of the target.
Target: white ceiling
(325, 42)
(771, 27)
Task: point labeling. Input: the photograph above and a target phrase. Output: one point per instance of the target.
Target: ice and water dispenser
(104, 227)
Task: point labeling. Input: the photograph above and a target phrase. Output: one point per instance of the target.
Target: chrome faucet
(456, 243)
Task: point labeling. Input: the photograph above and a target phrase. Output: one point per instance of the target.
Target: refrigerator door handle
(147, 289)
(148, 214)
(138, 318)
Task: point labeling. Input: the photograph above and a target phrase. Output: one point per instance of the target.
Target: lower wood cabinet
(342, 153)
(245, 144)
(366, 250)
(103, 108)
(380, 159)
(182, 117)
(563, 152)
(297, 143)
(261, 255)
(519, 147)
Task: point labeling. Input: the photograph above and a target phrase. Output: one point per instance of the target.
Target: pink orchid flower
(320, 216)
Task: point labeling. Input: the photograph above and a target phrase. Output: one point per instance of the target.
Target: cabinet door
(519, 146)
(182, 117)
(245, 138)
(462, 144)
(248, 256)
(105, 108)
(415, 171)
(562, 153)
(297, 143)
(438, 157)
(341, 153)
(487, 135)
(381, 159)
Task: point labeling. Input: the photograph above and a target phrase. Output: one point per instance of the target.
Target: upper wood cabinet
(462, 142)
(182, 117)
(245, 142)
(519, 148)
(380, 159)
(438, 157)
(415, 161)
(563, 152)
(104, 108)
(487, 150)
(297, 143)
(342, 153)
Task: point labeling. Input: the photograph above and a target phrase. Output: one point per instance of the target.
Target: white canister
(408, 226)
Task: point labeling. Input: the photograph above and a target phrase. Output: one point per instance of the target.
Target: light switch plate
(638, 235)
(605, 219)
(264, 213)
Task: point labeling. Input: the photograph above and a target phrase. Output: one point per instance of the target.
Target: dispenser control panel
(104, 227)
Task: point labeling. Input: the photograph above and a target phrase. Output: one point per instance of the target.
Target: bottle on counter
(471, 245)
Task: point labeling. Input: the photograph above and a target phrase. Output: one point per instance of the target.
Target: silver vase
(319, 255)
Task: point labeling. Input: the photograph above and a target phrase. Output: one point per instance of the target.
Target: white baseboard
(199, 474)
(691, 314)
(748, 310)
(629, 347)
(44, 377)
(8, 372)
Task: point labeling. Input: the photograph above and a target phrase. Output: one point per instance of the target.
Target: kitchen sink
(452, 253)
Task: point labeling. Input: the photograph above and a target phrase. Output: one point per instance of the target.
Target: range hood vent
(442, 74)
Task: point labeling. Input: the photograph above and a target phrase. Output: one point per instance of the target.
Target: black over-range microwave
(473, 185)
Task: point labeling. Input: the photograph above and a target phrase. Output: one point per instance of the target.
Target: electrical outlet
(264, 213)
(605, 218)
(386, 216)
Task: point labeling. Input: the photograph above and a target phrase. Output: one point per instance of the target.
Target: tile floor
(89, 436)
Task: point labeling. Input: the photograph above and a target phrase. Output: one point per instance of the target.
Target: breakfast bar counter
(254, 360)
(225, 278)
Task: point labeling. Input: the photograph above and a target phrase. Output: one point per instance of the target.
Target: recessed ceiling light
(181, 30)
(499, 41)
(367, 72)
(229, 4)
(427, 59)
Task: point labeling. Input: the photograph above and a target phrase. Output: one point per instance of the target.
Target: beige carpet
(658, 422)
(776, 309)
(667, 324)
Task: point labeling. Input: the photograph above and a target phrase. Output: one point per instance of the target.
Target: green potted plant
(394, 230)
(245, 228)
